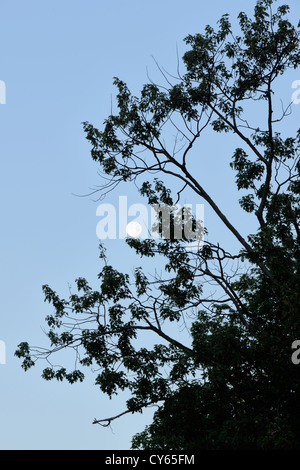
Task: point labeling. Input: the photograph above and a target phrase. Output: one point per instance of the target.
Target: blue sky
(58, 60)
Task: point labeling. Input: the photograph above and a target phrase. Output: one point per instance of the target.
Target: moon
(133, 229)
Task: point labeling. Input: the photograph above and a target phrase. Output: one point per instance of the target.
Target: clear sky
(58, 60)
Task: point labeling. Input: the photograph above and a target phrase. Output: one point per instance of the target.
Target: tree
(233, 385)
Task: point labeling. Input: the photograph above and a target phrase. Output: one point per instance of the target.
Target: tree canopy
(231, 383)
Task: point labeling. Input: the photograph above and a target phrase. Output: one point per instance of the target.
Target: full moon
(133, 229)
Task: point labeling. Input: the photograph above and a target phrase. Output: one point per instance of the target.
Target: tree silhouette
(233, 385)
